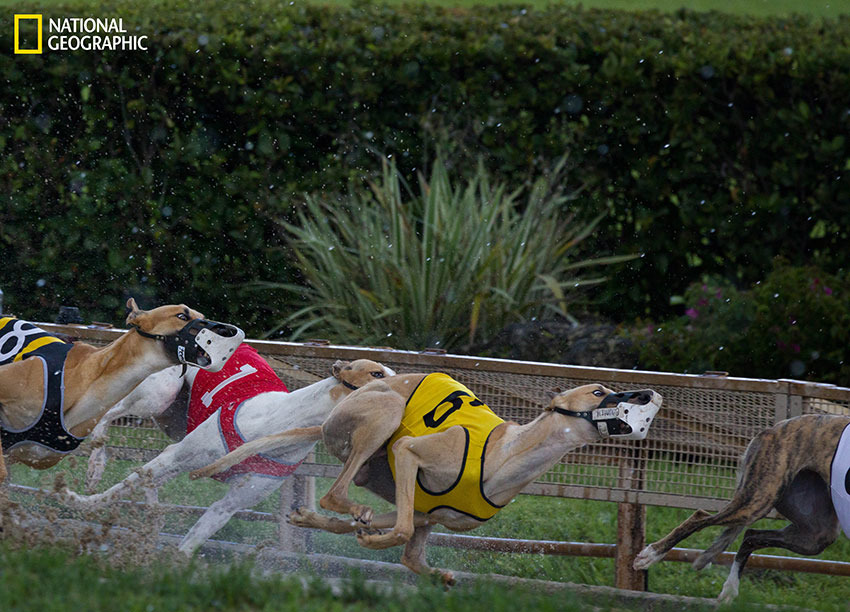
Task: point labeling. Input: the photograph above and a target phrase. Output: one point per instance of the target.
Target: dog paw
(362, 514)
(204, 472)
(380, 541)
(647, 557)
(301, 517)
(729, 592)
(447, 577)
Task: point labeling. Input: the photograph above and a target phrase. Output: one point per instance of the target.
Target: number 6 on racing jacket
(425, 443)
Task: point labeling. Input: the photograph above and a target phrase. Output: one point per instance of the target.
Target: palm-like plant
(442, 267)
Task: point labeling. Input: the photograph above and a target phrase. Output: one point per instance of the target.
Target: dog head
(186, 335)
(355, 374)
(626, 415)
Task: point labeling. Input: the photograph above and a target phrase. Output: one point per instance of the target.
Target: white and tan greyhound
(428, 445)
(800, 467)
(52, 392)
(243, 407)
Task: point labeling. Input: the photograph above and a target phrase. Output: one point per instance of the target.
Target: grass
(57, 581)
(526, 517)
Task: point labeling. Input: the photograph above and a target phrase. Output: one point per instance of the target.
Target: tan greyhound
(425, 443)
(52, 393)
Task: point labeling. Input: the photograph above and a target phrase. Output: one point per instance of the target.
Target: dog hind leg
(413, 556)
(246, 491)
(814, 526)
(757, 491)
(424, 455)
(357, 428)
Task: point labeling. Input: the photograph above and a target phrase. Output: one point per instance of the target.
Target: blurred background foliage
(433, 267)
(711, 143)
(794, 324)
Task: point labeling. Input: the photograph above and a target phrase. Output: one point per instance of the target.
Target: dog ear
(553, 393)
(338, 366)
(134, 313)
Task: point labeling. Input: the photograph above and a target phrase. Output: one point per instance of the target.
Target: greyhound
(243, 407)
(425, 443)
(49, 403)
(787, 467)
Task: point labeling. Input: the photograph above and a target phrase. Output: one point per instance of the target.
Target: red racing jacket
(244, 376)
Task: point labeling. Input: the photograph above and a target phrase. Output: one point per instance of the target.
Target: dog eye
(377, 374)
(598, 393)
(183, 316)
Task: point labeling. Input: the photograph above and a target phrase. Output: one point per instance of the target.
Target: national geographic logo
(74, 34)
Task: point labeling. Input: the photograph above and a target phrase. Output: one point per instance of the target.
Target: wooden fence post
(631, 537)
(631, 526)
(296, 492)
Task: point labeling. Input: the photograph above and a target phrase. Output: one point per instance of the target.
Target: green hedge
(715, 142)
(793, 324)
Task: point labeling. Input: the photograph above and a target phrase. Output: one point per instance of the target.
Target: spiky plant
(443, 267)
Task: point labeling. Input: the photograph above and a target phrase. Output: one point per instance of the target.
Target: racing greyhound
(425, 443)
(52, 393)
(243, 401)
(800, 467)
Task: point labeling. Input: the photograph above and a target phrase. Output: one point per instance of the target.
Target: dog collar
(348, 385)
(202, 343)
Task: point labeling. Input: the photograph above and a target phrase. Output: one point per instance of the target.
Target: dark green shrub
(713, 142)
(444, 265)
(794, 324)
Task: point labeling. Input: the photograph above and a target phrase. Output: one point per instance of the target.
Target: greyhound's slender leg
(814, 526)
(756, 493)
(151, 398)
(313, 520)
(413, 556)
(427, 453)
(246, 491)
(743, 510)
(195, 450)
(356, 429)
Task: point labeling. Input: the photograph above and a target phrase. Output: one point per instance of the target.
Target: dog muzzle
(626, 415)
(205, 344)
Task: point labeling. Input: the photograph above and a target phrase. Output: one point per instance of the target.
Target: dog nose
(639, 397)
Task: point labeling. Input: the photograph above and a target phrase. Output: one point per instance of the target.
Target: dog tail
(260, 445)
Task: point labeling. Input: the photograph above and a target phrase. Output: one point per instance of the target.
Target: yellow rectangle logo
(18, 19)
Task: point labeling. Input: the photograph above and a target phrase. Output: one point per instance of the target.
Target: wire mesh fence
(688, 460)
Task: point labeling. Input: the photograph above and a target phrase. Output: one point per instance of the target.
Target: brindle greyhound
(94, 378)
(382, 438)
(786, 467)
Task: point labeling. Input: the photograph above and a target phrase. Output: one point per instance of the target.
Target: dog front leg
(313, 520)
(246, 491)
(410, 454)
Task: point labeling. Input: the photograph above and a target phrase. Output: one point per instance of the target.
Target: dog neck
(518, 454)
(98, 378)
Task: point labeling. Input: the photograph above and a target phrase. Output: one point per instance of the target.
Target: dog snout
(640, 398)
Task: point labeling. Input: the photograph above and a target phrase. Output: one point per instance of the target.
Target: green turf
(528, 517)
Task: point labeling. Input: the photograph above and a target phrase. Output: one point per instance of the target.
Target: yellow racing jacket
(440, 402)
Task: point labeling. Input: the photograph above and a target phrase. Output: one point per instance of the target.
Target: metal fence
(689, 459)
